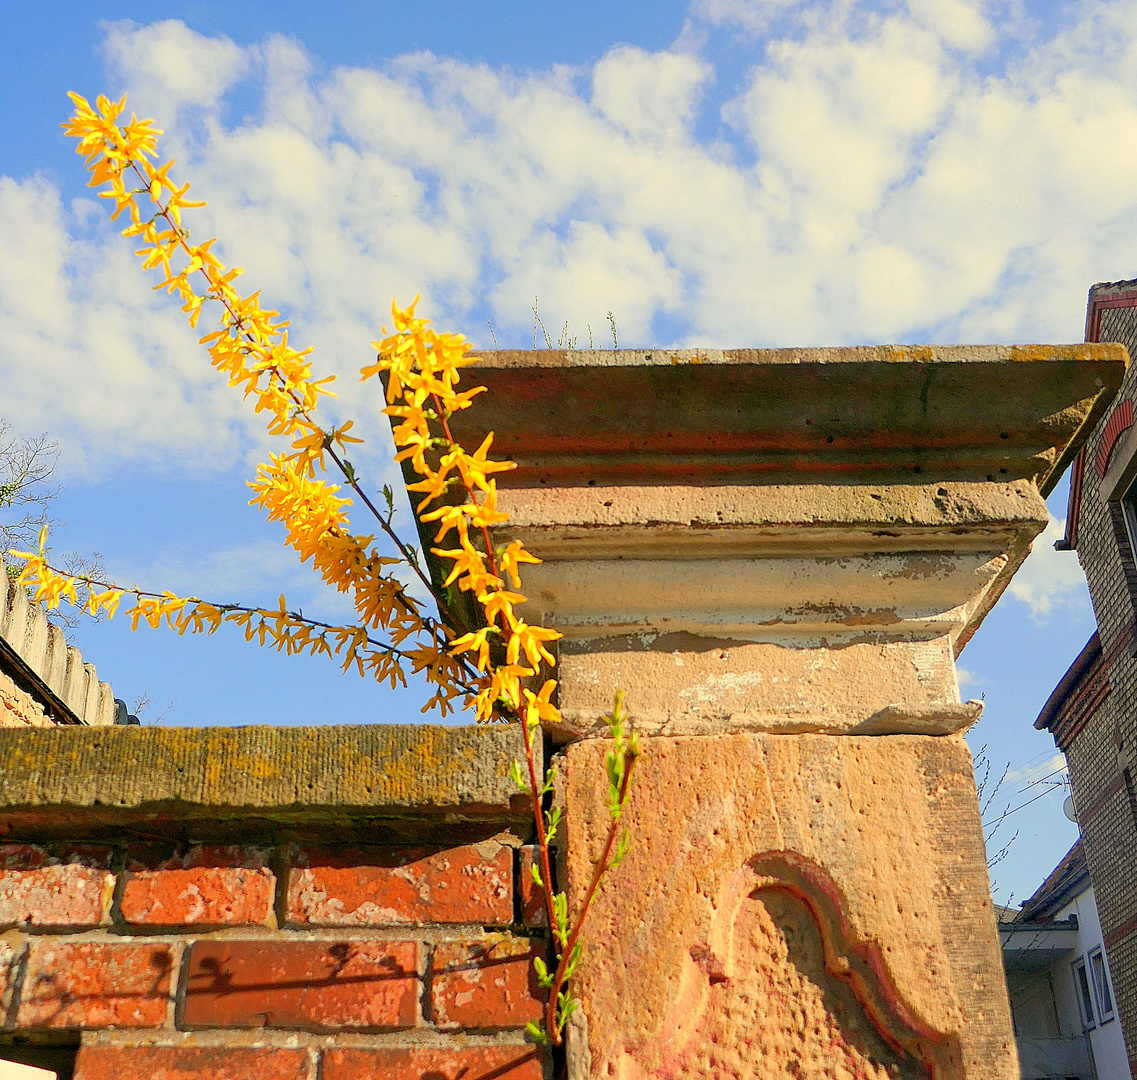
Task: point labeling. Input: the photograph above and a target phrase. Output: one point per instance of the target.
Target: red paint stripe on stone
(1121, 419)
(1121, 932)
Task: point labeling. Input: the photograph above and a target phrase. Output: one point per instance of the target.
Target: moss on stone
(383, 768)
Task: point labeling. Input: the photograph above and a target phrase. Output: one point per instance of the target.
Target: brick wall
(340, 903)
(1106, 816)
(217, 961)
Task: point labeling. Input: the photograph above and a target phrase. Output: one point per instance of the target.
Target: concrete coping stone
(881, 414)
(286, 774)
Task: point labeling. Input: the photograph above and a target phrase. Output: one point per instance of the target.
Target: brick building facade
(1092, 712)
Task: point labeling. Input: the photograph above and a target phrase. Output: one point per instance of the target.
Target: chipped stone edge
(949, 718)
(60, 679)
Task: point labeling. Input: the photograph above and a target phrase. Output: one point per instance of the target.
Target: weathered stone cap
(34, 653)
(892, 413)
(288, 775)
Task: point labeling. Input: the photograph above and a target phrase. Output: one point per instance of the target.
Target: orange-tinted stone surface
(305, 984)
(690, 970)
(489, 983)
(73, 888)
(533, 909)
(190, 1063)
(207, 886)
(95, 984)
(385, 886)
(435, 1063)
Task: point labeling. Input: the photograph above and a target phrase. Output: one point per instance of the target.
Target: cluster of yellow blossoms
(485, 666)
(422, 370)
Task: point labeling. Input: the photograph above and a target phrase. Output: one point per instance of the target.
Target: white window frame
(1129, 511)
(1084, 993)
(1103, 987)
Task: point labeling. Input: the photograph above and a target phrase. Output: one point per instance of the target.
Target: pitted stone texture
(69, 887)
(191, 1063)
(892, 822)
(206, 886)
(807, 599)
(684, 685)
(488, 983)
(397, 887)
(96, 984)
(770, 1008)
(435, 1063)
(321, 985)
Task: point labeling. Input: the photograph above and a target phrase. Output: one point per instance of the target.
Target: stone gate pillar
(778, 555)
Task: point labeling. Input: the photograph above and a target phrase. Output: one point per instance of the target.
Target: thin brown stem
(469, 489)
(268, 613)
(600, 870)
(274, 371)
(535, 790)
(546, 870)
(404, 550)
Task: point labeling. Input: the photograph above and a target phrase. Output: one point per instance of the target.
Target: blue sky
(719, 172)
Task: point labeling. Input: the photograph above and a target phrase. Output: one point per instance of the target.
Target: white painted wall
(11, 1070)
(1106, 1040)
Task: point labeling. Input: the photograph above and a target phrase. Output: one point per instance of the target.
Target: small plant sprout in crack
(619, 762)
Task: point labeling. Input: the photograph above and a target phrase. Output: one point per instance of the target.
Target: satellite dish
(1068, 809)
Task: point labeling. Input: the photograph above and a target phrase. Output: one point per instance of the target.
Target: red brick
(70, 889)
(93, 985)
(435, 1063)
(488, 983)
(306, 984)
(397, 887)
(7, 969)
(190, 1063)
(207, 886)
(533, 909)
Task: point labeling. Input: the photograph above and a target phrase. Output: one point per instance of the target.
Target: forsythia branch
(490, 666)
(285, 630)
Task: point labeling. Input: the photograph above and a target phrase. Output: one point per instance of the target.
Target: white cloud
(886, 180)
(249, 573)
(172, 66)
(960, 24)
(88, 351)
(653, 97)
(1053, 769)
(752, 16)
(1050, 577)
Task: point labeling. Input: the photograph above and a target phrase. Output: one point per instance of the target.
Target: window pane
(1083, 990)
(1129, 512)
(1101, 985)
